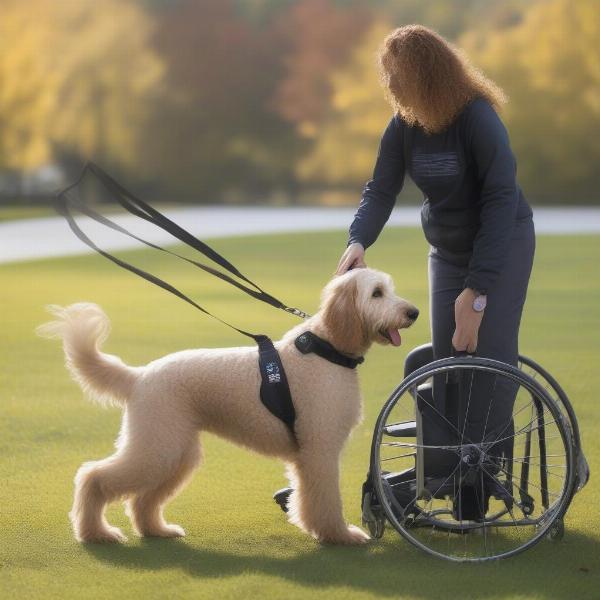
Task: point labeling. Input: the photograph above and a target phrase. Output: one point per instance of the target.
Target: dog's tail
(83, 328)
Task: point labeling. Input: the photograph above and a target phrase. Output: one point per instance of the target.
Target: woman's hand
(467, 321)
(353, 257)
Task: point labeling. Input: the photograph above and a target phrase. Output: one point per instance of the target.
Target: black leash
(275, 392)
(139, 208)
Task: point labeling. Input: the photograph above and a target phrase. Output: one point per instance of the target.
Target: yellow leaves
(308, 129)
(87, 78)
(346, 146)
(549, 64)
(73, 74)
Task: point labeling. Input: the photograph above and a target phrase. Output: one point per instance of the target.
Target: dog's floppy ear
(341, 315)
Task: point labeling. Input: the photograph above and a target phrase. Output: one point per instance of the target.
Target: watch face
(479, 303)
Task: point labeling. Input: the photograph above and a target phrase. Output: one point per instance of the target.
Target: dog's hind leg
(96, 485)
(316, 504)
(145, 509)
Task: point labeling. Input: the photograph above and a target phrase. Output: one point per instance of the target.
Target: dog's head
(361, 307)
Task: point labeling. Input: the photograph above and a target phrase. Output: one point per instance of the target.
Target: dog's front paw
(356, 535)
(351, 536)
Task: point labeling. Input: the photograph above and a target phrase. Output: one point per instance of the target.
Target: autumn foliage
(244, 100)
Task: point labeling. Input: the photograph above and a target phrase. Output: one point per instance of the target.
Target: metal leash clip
(297, 312)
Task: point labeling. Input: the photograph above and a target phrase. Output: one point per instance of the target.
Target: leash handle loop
(63, 209)
(143, 210)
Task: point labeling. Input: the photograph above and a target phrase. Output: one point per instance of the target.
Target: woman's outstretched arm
(378, 197)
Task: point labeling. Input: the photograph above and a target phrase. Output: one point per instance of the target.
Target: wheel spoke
(443, 491)
(530, 483)
(513, 418)
(437, 412)
(436, 491)
(462, 435)
(487, 416)
(521, 432)
(397, 457)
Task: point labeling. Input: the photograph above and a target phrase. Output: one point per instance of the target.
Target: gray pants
(499, 331)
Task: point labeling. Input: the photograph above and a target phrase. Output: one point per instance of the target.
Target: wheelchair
(473, 459)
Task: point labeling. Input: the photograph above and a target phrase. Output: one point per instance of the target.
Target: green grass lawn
(238, 543)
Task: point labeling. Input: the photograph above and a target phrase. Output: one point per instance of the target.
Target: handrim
(546, 520)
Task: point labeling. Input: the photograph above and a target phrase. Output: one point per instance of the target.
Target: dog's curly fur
(169, 401)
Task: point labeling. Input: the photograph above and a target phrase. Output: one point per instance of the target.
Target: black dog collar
(309, 342)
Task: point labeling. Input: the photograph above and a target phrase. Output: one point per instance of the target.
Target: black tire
(582, 469)
(434, 529)
(556, 532)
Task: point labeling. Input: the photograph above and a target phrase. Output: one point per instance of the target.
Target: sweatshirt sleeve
(499, 194)
(379, 194)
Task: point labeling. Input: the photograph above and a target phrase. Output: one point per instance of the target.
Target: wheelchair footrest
(282, 496)
(402, 430)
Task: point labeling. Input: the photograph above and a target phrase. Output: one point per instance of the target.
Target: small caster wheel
(527, 509)
(371, 517)
(376, 527)
(281, 498)
(556, 531)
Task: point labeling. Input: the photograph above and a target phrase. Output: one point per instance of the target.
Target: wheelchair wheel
(552, 387)
(473, 460)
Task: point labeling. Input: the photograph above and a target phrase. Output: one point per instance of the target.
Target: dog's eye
(377, 293)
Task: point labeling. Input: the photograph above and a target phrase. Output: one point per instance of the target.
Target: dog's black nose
(412, 313)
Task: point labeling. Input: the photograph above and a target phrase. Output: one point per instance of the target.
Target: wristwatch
(480, 302)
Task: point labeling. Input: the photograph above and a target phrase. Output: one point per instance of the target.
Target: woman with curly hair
(446, 134)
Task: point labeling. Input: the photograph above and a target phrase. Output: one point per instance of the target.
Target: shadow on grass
(388, 568)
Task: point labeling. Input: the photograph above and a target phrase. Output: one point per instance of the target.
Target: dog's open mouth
(392, 335)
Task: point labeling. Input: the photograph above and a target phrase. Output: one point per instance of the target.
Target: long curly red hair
(428, 80)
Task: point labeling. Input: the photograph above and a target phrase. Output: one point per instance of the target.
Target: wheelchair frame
(393, 497)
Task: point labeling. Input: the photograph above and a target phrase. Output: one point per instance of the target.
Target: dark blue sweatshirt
(467, 174)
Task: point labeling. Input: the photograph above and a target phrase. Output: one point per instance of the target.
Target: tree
(214, 131)
(346, 146)
(74, 78)
(550, 66)
(315, 37)
(451, 18)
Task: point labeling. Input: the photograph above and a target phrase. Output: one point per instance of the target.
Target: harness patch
(273, 372)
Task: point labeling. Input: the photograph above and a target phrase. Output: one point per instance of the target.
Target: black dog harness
(274, 390)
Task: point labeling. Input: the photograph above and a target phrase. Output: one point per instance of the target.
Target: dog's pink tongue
(395, 336)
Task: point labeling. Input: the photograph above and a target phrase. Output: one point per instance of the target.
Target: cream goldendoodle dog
(169, 401)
